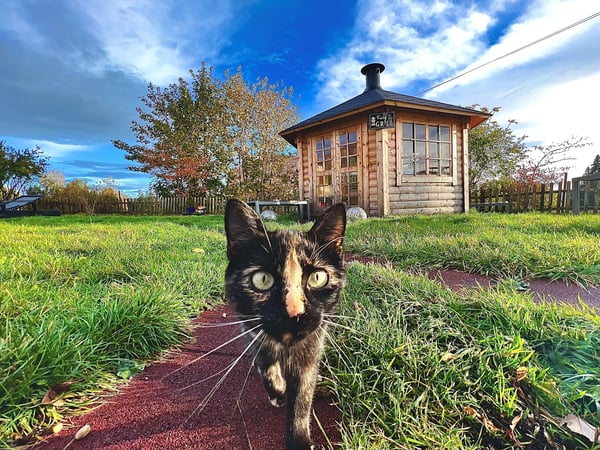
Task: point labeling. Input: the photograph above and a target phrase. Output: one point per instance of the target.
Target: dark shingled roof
(373, 96)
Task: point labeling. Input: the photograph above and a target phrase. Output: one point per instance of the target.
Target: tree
(594, 168)
(180, 136)
(542, 163)
(494, 150)
(18, 168)
(52, 184)
(260, 157)
(206, 135)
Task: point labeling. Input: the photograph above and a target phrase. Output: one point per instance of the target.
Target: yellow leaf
(198, 250)
(57, 428)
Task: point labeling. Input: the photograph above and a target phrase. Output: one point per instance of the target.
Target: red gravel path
(152, 411)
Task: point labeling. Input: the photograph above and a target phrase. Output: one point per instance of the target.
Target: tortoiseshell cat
(286, 282)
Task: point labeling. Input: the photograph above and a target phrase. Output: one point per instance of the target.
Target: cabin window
(323, 154)
(348, 149)
(349, 188)
(325, 190)
(426, 149)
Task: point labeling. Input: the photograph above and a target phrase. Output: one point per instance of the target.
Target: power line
(568, 27)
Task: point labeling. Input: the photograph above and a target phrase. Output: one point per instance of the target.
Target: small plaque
(377, 121)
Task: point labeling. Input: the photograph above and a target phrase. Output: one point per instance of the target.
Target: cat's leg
(300, 391)
(271, 371)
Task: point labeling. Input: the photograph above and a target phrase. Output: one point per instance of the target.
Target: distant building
(388, 153)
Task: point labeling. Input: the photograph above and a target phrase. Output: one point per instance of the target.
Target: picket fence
(137, 206)
(580, 195)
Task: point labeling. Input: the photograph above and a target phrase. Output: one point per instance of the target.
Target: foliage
(541, 165)
(594, 168)
(494, 150)
(55, 189)
(262, 166)
(181, 136)
(18, 168)
(205, 135)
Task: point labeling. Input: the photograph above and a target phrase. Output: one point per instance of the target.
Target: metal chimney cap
(372, 71)
(373, 66)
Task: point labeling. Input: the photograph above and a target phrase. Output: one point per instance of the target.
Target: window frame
(427, 142)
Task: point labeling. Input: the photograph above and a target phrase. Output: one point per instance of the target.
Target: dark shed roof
(375, 96)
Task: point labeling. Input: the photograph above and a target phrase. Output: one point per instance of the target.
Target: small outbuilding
(385, 152)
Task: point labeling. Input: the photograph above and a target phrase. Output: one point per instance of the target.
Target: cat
(286, 283)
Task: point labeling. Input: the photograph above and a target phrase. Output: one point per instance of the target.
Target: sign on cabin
(377, 121)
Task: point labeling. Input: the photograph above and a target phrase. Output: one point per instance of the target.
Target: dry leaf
(54, 390)
(521, 373)
(83, 432)
(577, 425)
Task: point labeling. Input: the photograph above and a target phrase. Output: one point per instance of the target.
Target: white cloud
(153, 39)
(56, 149)
(415, 40)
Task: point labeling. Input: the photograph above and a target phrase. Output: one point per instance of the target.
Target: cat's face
(289, 279)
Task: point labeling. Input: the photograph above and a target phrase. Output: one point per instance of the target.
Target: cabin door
(337, 170)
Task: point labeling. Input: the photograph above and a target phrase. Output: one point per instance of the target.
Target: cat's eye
(318, 279)
(262, 280)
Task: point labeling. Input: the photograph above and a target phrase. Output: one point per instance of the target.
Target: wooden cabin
(388, 153)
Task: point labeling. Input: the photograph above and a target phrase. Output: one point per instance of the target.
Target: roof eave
(476, 118)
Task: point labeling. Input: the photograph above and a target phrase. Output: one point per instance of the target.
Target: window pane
(420, 131)
(433, 150)
(352, 149)
(407, 130)
(328, 165)
(407, 149)
(343, 140)
(352, 162)
(420, 167)
(445, 151)
(327, 143)
(420, 149)
(344, 151)
(408, 168)
(445, 134)
(445, 167)
(352, 136)
(319, 144)
(434, 167)
(433, 132)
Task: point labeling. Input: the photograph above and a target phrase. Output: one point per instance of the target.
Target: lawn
(90, 300)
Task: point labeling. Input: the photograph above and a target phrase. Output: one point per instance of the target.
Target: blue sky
(72, 71)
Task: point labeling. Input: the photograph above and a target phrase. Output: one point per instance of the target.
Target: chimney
(372, 71)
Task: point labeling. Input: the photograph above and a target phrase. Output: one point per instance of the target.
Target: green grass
(84, 299)
(519, 246)
(81, 299)
(427, 368)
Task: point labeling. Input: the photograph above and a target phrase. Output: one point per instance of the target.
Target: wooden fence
(137, 206)
(558, 198)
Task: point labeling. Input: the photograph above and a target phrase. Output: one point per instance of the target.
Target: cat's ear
(330, 227)
(242, 225)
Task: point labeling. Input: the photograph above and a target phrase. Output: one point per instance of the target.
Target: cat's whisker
(218, 384)
(226, 324)
(338, 316)
(226, 343)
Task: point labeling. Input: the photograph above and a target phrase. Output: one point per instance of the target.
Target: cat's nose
(294, 303)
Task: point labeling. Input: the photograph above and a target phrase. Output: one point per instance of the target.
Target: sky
(72, 72)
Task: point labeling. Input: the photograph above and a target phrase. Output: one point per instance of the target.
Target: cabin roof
(374, 96)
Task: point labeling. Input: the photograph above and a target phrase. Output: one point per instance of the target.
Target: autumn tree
(206, 135)
(262, 166)
(181, 136)
(547, 164)
(19, 168)
(494, 150)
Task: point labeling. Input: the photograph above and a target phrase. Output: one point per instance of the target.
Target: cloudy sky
(72, 71)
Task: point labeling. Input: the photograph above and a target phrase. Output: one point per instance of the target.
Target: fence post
(575, 195)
